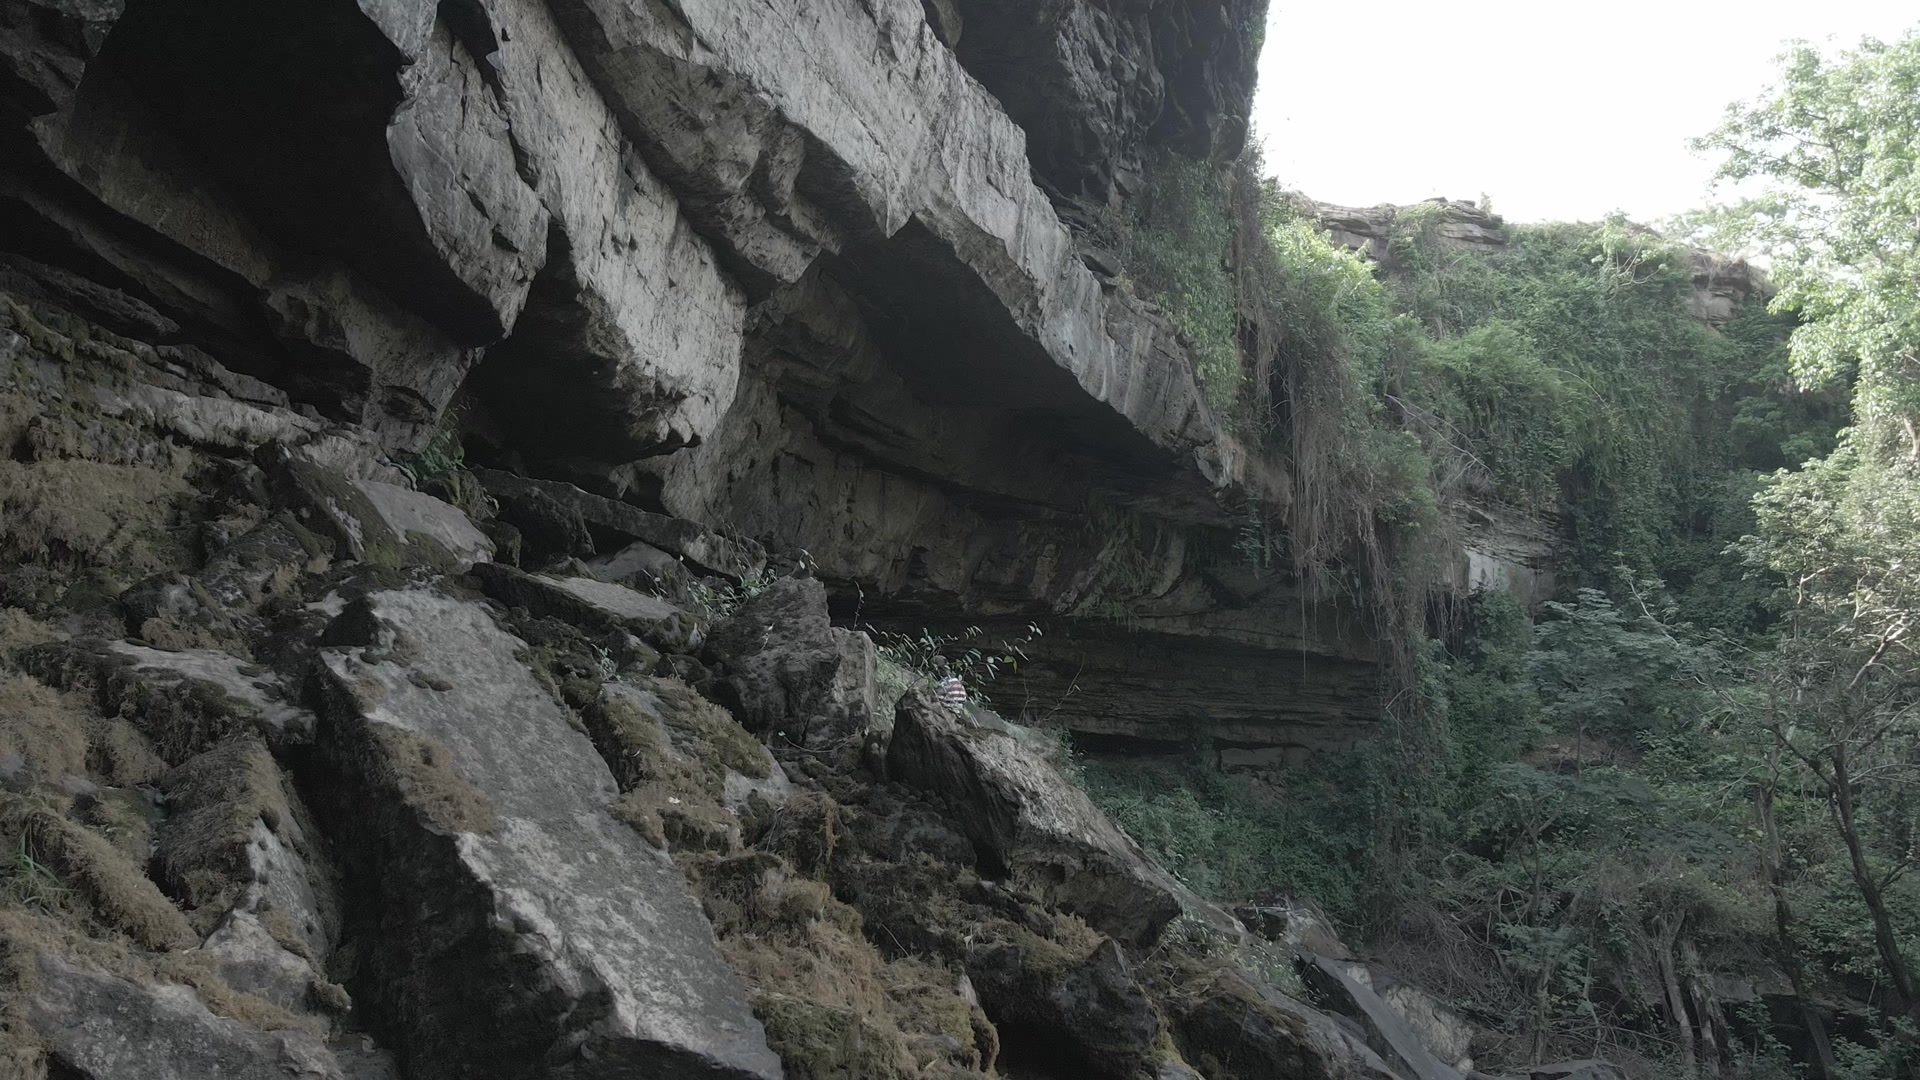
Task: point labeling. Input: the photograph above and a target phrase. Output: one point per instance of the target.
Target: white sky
(1556, 109)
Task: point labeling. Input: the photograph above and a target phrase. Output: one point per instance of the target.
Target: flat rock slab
(523, 930)
(642, 565)
(256, 693)
(706, 550)
(104, 1027)
(382, 523)
(183, 701)
(1044, 833)
(1388, 1032)
(594, 603)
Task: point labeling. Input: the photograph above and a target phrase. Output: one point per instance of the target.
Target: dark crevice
(548, 385)
(289, 104)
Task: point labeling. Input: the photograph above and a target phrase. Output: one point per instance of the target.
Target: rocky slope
(300, 776)
(314, 766)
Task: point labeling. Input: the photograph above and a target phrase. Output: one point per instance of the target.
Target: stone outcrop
(1507, 550)
(1719, 284)
(104, 1027)
(467, 781)
(1388, 1031)
(1456, 225)
(1028, 823)
(1091, 83)
(782, 666)
(787, 271)
(1237, 1030)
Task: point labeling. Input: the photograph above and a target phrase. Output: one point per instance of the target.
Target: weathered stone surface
(238, 849)
(782, 666)
(231, 425)
(1458, 225)
(1234, 1030)
(1507, 550)
(251, 961)
(247, 696)
(1029, 823)
(183, 702)
(1444, 1031)
(103, 1027)
(593, 603)
(381, 523)
(1168, 639)
(1093, 1009)
(1388, 1031)
(1720, 285)
(694, 730)
(640, 565)
(1090, 82)
(1293, 924)
(469, 177)
(45, 48)
(631, 338)
(699, 545)
(795, 154)
(548, 529)
(518, 926)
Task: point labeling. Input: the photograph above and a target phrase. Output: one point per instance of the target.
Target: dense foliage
(1700, 765)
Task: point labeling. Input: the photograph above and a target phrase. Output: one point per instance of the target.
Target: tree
(1835, 148)
(1844, 693)
(1835, 151)
(1607, 673)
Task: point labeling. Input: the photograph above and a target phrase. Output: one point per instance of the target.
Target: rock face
(790, 271)
(1388, 1030)
(1090, 82)
(340, 762)
(502, 867)
(1029, 824)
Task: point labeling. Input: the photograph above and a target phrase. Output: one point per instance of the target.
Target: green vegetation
(1226, 840)
(1702, 761)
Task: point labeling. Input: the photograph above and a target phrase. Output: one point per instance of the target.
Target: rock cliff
(561, 758)
(794, 270)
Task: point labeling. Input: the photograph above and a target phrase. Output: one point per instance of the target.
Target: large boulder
(1388, 1030)
(781, 665)
(1028, 822)
(1091, 1008)
(1234, 1029)
(240, 852)
(515, 926)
